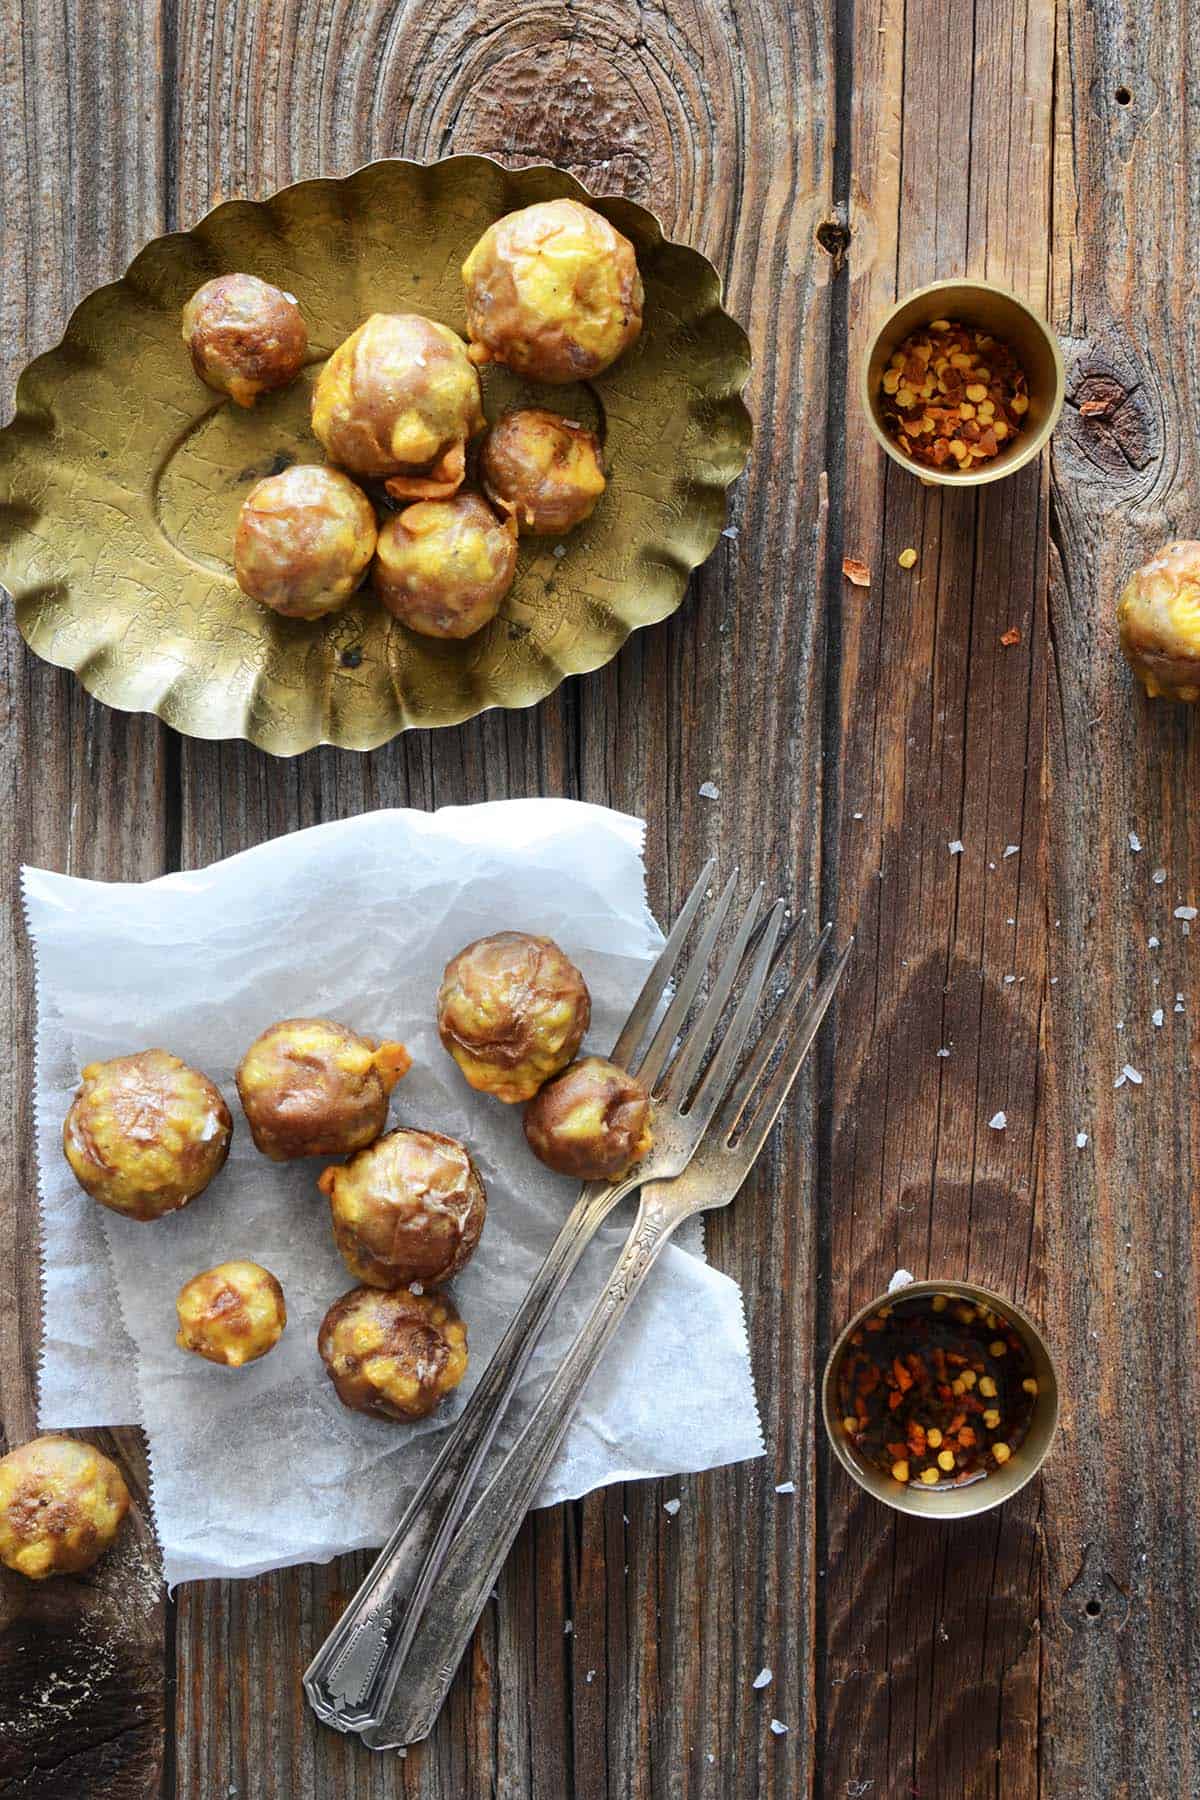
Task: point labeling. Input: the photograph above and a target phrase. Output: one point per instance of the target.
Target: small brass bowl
(1033, 343)
(998, 1485)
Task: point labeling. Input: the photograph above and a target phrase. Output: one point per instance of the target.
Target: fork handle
(468, 1570)
(343, 1680)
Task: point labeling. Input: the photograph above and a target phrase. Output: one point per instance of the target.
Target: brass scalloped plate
(121, 475)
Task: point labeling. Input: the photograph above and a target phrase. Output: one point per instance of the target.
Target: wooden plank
(1122, 1657)
(926, 1674)
(720, 120)
(82, 1678)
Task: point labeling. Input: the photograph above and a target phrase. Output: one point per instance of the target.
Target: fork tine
(709, 1094)
(777, 1090)
(643, 1008)
(771, 1036)
(661, 1044)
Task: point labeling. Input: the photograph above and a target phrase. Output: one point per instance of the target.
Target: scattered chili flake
(953, 394)
(937, 1390)
(1092, 408)
(1011, 636)
(856, 571)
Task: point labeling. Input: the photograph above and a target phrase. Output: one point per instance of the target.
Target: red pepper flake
(1011, 636)
(856, 571)
(1092, 408)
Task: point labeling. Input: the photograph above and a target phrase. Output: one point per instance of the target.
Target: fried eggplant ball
(443, 567)
(410, 1207)
(393, 1353)
(310, 1087)
(553, 291)
(512, 1011)
(543, 471)
(244, 336)
(1159, 618)
(592, 1121)
(400, 398)
(303, 541)
(146, 1134)
(61, 1506)
(232, 1314)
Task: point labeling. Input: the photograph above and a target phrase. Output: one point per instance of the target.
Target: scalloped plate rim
(26, 410)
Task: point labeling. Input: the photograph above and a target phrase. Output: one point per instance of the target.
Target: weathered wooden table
(827, 155)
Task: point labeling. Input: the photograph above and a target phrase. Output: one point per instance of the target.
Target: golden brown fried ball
(553, 291)
(512, 1011)
(146, 1134)
(544, 471)
(400, 398)
(410, 1207)
(310, 1087)
(443, 567)
(303, 542)
(232, 1314)
(592, 1121)
(245, 337)
(392, 1352)
(61, 1506)
(1159, 618)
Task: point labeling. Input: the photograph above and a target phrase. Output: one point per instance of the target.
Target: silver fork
(712, 1178)
(346, 1677)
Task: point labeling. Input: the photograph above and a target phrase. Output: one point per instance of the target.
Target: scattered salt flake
(901, 1279)
(590, 1677)
(710, 1755)
(730, 531)
(572, 425)
(998, 1121)
(779, 1728)
(568, 1627)
(762, 1679)
(709, 790)
(415, 1287)
(1152, 943)
(1185, 912)
(785, 1487)
(1135, 842)
(1120, 1081)
(1132, 1074)
(1011, 850)
(1081, 1138)
(1158, 877)
(1158, 1275)
(858, 815)
(1157, 1017)
(955, 847)
(943, 1051)
(1008, 979)
(671, 1506)
(856, 571)
(559, 550)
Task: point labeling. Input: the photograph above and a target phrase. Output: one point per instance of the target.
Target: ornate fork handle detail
(477, 1555)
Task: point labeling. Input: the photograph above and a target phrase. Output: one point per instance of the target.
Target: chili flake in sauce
(936, 1390)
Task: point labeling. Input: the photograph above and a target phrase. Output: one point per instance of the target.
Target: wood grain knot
(833, 235)
(1110, 423)
(1094, 1600)
(571, 102)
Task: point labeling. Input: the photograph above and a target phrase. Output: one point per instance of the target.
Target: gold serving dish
(121, 476)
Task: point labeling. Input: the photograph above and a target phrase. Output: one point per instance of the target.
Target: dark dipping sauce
(936, 1391)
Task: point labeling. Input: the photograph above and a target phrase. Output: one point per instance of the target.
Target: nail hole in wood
(1093, 1609)
(1123, 96)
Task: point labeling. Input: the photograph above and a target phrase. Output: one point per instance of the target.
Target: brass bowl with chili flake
(1013, 333)
(941, 1399)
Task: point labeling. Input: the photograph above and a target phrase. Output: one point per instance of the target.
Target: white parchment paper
(260, 1467)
